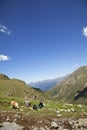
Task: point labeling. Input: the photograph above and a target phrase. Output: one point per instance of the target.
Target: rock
(41, 128)
(34, 128)
(80, 105)
(26, 128)
(54, 125)
(82, 123)
(67, 125)
(7, 119)
(73, 110)
(57, 112)
(1, 124)
(59, 115)
(10, 126)
(65, 129)
(46, 128)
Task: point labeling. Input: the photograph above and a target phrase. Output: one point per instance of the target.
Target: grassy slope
(50, 110)
(18, 89)
(69, 87)
(15, 87)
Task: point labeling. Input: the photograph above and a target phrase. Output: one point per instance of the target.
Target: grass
(49, 110)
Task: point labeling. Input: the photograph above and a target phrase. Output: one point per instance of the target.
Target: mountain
(3, 77)
(11, 88)
(73, 89)
(47, 84)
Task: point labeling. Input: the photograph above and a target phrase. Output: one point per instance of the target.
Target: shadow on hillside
(82, 93)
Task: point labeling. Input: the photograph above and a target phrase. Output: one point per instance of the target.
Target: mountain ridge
(11, 88)
(71, 87)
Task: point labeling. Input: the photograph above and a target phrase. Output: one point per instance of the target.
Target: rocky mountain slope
(73, 89)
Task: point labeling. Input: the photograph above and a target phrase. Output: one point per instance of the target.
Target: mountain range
(45, 85)
(70, 89)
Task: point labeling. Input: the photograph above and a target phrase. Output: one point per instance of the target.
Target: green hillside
(18, 90)
(73, 89)
(10, 88)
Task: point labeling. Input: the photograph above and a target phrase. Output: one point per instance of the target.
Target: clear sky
(42, 39)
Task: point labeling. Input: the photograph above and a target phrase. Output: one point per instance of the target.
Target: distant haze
(47, 84)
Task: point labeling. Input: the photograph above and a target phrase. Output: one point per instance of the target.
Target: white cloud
(4, 29)
(3, 57)
(85, 31)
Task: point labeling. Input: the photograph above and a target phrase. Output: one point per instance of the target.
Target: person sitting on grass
(14, 104)
(35, 107)
(40, 105)
(27, 103)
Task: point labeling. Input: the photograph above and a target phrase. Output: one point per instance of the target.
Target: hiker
(27, 103)
(35, 107)
(40, 105)
(14, 104)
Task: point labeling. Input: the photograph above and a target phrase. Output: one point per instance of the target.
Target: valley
(65, 104)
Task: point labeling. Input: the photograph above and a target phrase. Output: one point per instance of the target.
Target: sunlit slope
(73, 89)
(18, 88)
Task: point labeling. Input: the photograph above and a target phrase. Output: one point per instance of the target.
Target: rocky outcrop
(10, 126)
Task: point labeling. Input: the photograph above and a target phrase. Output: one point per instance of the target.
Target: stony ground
(20, 121)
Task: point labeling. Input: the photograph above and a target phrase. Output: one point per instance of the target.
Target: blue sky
(42, 39)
